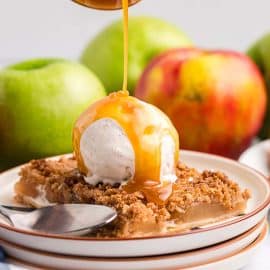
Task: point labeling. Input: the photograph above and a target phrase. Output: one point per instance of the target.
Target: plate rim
(260, 208)
(262, 236)
(262, 224)
(259, 240)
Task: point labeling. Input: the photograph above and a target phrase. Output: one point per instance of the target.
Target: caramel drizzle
(125, 37)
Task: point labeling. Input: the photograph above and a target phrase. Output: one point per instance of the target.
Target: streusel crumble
(197, 198)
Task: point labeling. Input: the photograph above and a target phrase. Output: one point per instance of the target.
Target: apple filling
(197, 198)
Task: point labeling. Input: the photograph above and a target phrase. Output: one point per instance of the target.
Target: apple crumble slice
(197, 198)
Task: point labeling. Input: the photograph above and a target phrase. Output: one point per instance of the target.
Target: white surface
(247, 178)
(232, 252)
(107, 152)
(32, 28)
(257, 157)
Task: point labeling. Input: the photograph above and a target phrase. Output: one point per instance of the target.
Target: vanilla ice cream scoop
(120, 139)
(107, 153)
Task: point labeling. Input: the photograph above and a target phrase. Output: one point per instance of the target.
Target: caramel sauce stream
(125, 38)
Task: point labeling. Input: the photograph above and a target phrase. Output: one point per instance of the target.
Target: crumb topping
(63, 183)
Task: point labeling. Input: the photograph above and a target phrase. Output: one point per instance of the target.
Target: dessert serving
(140, 184)
(126, 157)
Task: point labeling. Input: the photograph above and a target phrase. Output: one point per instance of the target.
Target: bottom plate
(211, 234)
(232, 254)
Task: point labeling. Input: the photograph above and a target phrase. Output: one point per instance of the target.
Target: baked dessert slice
(197, 198)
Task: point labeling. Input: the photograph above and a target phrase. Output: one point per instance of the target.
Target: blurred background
(226, 91)
(32, 28)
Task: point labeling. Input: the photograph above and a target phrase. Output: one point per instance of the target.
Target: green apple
(39, 103)
(260, 53)
(148, 37)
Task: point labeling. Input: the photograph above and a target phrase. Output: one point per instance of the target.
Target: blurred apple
(39, 103)
(216, 99)
(260, 53)
(148, 37)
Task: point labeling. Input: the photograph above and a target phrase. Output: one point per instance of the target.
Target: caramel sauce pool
(125, 28)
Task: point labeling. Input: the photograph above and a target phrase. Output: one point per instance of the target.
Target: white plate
(256, 157)
(148, 246)
(198, 259)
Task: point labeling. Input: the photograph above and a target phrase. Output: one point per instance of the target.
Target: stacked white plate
(258, 157)
(226, 245)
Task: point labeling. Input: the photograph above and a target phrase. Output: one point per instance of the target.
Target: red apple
(216, 99)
